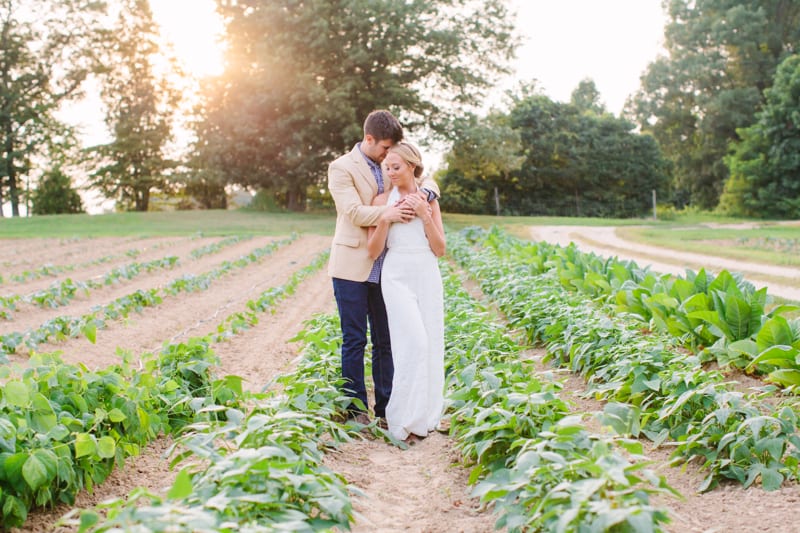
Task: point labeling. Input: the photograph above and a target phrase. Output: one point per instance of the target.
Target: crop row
(537, 464)
(63, 327)
(50, 270)
(62, 292)
(655, 385)
(64, 428)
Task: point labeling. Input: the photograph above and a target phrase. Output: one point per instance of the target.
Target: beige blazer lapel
(362, 170)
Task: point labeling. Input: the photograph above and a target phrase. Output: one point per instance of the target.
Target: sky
(609, 41)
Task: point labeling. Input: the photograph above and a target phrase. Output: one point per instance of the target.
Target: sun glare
(194, 29)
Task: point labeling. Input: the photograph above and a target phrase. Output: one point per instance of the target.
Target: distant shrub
(55, 195)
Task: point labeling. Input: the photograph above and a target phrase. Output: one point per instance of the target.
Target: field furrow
(193, 313)
(144, 282)
(85, 269)
(34, 253)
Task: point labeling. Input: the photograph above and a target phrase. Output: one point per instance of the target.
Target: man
(354, 179)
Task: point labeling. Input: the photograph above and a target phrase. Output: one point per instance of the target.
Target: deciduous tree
(302, 76)
(47, 49)
(722, 54)
(486, 151)
(765, 165)
(140, 95)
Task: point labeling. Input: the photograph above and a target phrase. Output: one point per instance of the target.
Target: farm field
(769, 261)
(423, 488)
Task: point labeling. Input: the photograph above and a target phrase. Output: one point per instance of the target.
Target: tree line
(714, 124)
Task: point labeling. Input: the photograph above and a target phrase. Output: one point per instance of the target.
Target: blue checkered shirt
(375, 274)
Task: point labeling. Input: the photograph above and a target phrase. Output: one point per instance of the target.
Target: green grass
(514, 224)
(683, 233)
(242, 222)
(212, 222)
(767, 242)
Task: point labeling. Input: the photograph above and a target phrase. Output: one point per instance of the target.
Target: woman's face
(399, 171)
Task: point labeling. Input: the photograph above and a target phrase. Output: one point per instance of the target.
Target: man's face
(374, 149)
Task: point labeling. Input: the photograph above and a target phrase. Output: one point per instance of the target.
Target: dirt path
(605, 242)
(421, 489)
(21, 255)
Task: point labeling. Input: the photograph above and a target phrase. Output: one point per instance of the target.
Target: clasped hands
(412, 205)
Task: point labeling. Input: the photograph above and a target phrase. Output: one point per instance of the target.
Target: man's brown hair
(382, 125)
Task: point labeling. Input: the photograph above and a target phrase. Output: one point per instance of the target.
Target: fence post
(655, 217)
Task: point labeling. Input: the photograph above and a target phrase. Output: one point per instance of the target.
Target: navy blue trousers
(361, 303)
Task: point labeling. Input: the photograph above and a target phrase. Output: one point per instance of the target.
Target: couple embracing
(385, 272)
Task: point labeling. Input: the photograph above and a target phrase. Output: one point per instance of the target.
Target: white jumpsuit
(412, 290)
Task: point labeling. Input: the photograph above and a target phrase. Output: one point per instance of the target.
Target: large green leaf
(182, 487)
(725, 283)
(775, 331)
(16, 393)
(781, 356)
(40, 468)
(84, 445)
(106, 447)
(757, 302)
(720, 327)
(785, 377)
(737, 317)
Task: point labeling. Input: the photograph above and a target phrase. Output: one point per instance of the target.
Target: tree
(765, 165)
(486, 150)
(47, 49)
(722, 54)
(302, 76)
(552, 158)
(586, 97)
(583, 163)
(140, 98)
(55, 195)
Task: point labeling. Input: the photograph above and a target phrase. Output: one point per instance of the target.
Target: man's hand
(419, 203)
(399, 212)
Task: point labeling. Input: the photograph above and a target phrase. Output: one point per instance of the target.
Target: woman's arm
(434, 229)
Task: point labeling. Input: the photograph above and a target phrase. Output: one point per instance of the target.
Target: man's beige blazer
(353, 188)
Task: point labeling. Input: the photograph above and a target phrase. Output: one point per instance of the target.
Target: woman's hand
(418, 202)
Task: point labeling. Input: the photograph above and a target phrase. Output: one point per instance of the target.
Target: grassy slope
(684, 233)
(213, 222)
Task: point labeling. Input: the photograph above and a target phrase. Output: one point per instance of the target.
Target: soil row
(89, 271)
(28, 254)
(184, 314)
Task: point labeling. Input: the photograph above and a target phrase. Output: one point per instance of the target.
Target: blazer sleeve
(431, 185)
(348, 201)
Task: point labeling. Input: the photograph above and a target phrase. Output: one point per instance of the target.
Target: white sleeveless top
(406, 236)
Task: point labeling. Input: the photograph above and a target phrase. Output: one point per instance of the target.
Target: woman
(412, 289)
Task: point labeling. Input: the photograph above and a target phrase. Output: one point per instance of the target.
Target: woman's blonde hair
(410, 154)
